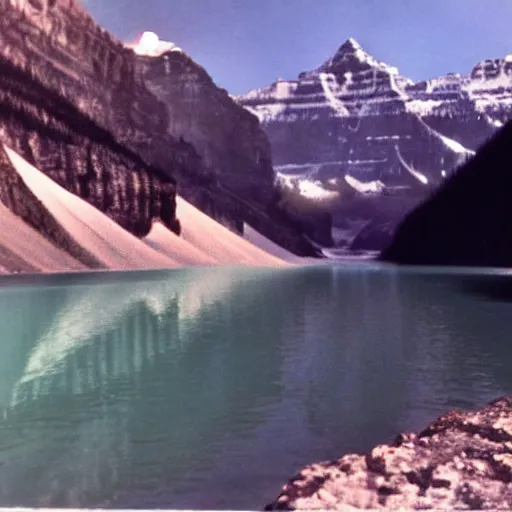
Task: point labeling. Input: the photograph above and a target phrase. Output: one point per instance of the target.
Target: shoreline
(462, 460)
(42, 278)
(21, 277)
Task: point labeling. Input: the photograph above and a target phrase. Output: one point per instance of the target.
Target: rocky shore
(462, 461)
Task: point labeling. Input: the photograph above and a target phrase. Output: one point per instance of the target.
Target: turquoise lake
(210, 388)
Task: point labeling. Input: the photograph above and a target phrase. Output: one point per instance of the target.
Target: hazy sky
(245, 44)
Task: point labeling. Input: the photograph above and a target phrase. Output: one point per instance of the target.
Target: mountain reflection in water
(209, 388)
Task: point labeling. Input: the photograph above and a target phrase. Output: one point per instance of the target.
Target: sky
(245, 44)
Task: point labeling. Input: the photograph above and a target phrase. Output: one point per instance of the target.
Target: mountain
(235, 150)
(367, 144)
(466, 222)
(46, 228)
(89, 113)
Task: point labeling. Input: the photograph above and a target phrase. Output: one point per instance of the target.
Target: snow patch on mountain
(450, 143)
(306, 186)
(368, 187)
(495, 122)
(268, 112)
(314, 190)
(150, 45)
(334, 102)
(396, 88)
(416, 174)
(422, 107)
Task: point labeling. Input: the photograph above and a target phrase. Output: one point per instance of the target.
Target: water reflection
(113, 375)
(208, 388)
(128, 325)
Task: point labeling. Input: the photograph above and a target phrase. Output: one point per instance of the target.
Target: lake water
(210, 388)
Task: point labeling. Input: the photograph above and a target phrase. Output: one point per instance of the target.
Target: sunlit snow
(150, 45)
(418, 175)
(336, 104)
(368, 187)
(496, 122)
(307, 187)
(314, 190)
(452, 144)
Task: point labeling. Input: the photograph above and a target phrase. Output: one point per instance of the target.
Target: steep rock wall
(79, 155)
(59, 44)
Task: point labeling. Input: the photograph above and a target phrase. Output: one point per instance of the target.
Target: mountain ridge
(373, 142)
(60, 45)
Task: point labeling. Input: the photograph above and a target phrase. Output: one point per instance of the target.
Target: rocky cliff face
(462, 461)
(466, 222)
(58, 74)
(80, 155)
(355, 131)
(230, 140)
(238, 183)
(60, 47)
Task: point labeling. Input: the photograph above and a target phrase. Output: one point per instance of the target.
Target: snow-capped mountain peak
(150, 45)
(372, 124)
(350, 45)
(352, 56)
